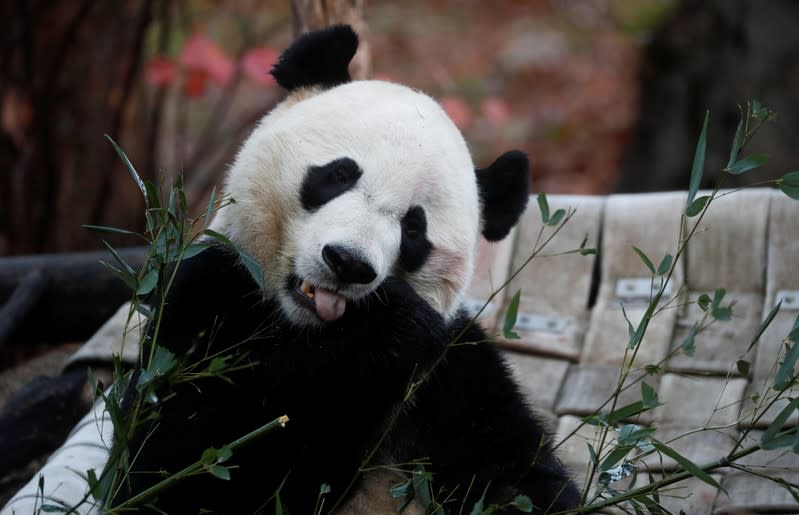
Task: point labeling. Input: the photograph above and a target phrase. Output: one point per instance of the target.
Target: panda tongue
(329, 305)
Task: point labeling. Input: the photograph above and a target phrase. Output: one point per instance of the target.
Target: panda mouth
(327, 304)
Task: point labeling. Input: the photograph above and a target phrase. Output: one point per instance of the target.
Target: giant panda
(361, 204)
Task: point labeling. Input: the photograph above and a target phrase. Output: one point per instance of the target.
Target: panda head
(346, 183)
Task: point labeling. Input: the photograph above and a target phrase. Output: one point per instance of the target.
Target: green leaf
(585, 251)
(127, 278)
(686, 464)
(248, 261)
(785, 373)
(557, 217)
(278, 504)
(253, 267)
(127, 268)
(634, 408)
(218, 363)
(543, 206)
(194, 249)
(761, 112)
(223, 454)
(747, 163)
(210, 209)
(615, 456)
(523, 503)
(131, 169)
(743, 367)
(696, 207)
(737, 141)
(630, 328)
(592, 454)
(113, 230)
(766, 322)
(479, 506)
(595, 420)
(220, 471)
(703, 302)
(208, 456)
(652, 369)
(688, 345)
(722, 314)
(510, 318)
(148, 282)
(645, 259)
(789, 184)
(631, 434)
(649, 396)
(770, 440)
(665, 264)
(699, 162)
(162, 363)
(718, 296)
(402, 490)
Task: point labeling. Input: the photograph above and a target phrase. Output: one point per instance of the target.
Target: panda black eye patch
(414, 246)
(324, 183)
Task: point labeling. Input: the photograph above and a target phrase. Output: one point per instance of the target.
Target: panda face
(337, 190)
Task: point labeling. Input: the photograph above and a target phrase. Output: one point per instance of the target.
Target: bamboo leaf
(769, 440)
(131, 169)
(510, 318)
(766, 322)
(785, 373)
(665, 264)
(114, 230)
(148, 282)
(634, 408)
(789, 184)
(543, 206)
(557, 217)
(696, 207)
(220, 471)
(645, 259)
(699, 162)
(736, 143)
(615, 456)
(747, 163)
(210, 209)
(688, 345)
(649, 396)
(686, 464)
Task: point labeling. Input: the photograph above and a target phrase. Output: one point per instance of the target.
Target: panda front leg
(472, 423)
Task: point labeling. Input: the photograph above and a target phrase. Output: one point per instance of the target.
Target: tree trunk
(716, 55)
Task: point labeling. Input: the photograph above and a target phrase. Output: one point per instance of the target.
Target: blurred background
(604, 95)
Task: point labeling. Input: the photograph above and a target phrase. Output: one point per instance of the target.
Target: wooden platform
(573, 333)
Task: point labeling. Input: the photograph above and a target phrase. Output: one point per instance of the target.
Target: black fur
(338, 385)
(318, 58)
(504, 189)
(324, 183)
(414, 245)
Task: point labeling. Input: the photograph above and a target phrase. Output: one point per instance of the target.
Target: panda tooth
(307, 289)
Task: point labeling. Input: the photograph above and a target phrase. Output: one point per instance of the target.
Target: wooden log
(80, 293)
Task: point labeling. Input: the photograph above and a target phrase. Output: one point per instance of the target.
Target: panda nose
(347, 266)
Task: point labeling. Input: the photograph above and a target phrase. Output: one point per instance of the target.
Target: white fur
(410, 153)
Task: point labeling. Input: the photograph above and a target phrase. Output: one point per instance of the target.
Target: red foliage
(200, 53)
(256, 64)
(458, 110)
(159, 71)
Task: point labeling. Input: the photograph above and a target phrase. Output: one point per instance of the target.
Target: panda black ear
(317, 58)
(504, 188)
